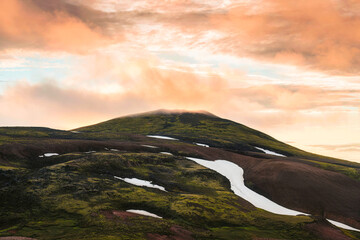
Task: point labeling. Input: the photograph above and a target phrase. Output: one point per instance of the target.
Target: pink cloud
(321, 34)
(140, 84)
(23, 24)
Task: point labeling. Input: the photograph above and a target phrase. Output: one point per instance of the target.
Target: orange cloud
(319, 34)
(23, 24)
(143, 87)
(322, 34)
(145, 84)
(298, 97)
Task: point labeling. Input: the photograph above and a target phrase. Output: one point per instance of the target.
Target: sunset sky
(287, 68)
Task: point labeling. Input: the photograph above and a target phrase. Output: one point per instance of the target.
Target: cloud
(341, 147)
(48, 104)
(154, 5)
(142, 86)
(107, 86)
(322, 34)
(28, 25)
(299, 97)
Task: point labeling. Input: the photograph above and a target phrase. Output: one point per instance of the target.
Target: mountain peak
(173, 112)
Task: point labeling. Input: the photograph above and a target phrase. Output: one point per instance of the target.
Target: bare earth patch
(111, 215)
(326, 231)
(179, 233)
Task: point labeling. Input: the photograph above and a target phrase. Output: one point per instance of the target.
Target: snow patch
(75, 132)
(49, 154)
(91, 152)
(202, 144)
(149, 146)
(161, 137)
(270, 152)
(141, 183)
(143, 212)
(114, 150)
(235, 175)
(341, 225)
(166, 153)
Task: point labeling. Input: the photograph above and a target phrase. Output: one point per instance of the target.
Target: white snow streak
(149, 146)
(202, 144)
(270, 152)
(141, 183)
(344, 226)
(161, 137)
(49, 154)
(166, 153)
(143, 212)
(235, 175)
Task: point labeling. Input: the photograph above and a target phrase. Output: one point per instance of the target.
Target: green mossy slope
(75, 199)
(203, 128)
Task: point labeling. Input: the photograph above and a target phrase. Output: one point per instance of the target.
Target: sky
(288, 68)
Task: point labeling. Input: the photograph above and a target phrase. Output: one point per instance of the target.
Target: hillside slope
(204, 128)
(61, 184)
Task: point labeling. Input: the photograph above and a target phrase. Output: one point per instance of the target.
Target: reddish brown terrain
(322, 187)
(290, 181)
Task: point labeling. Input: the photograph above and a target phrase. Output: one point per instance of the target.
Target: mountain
(85, 183)
(206, 128)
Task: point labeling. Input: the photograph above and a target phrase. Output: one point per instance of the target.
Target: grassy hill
(203, 128)
(74, 195)
(77, 197)
(193, 127)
